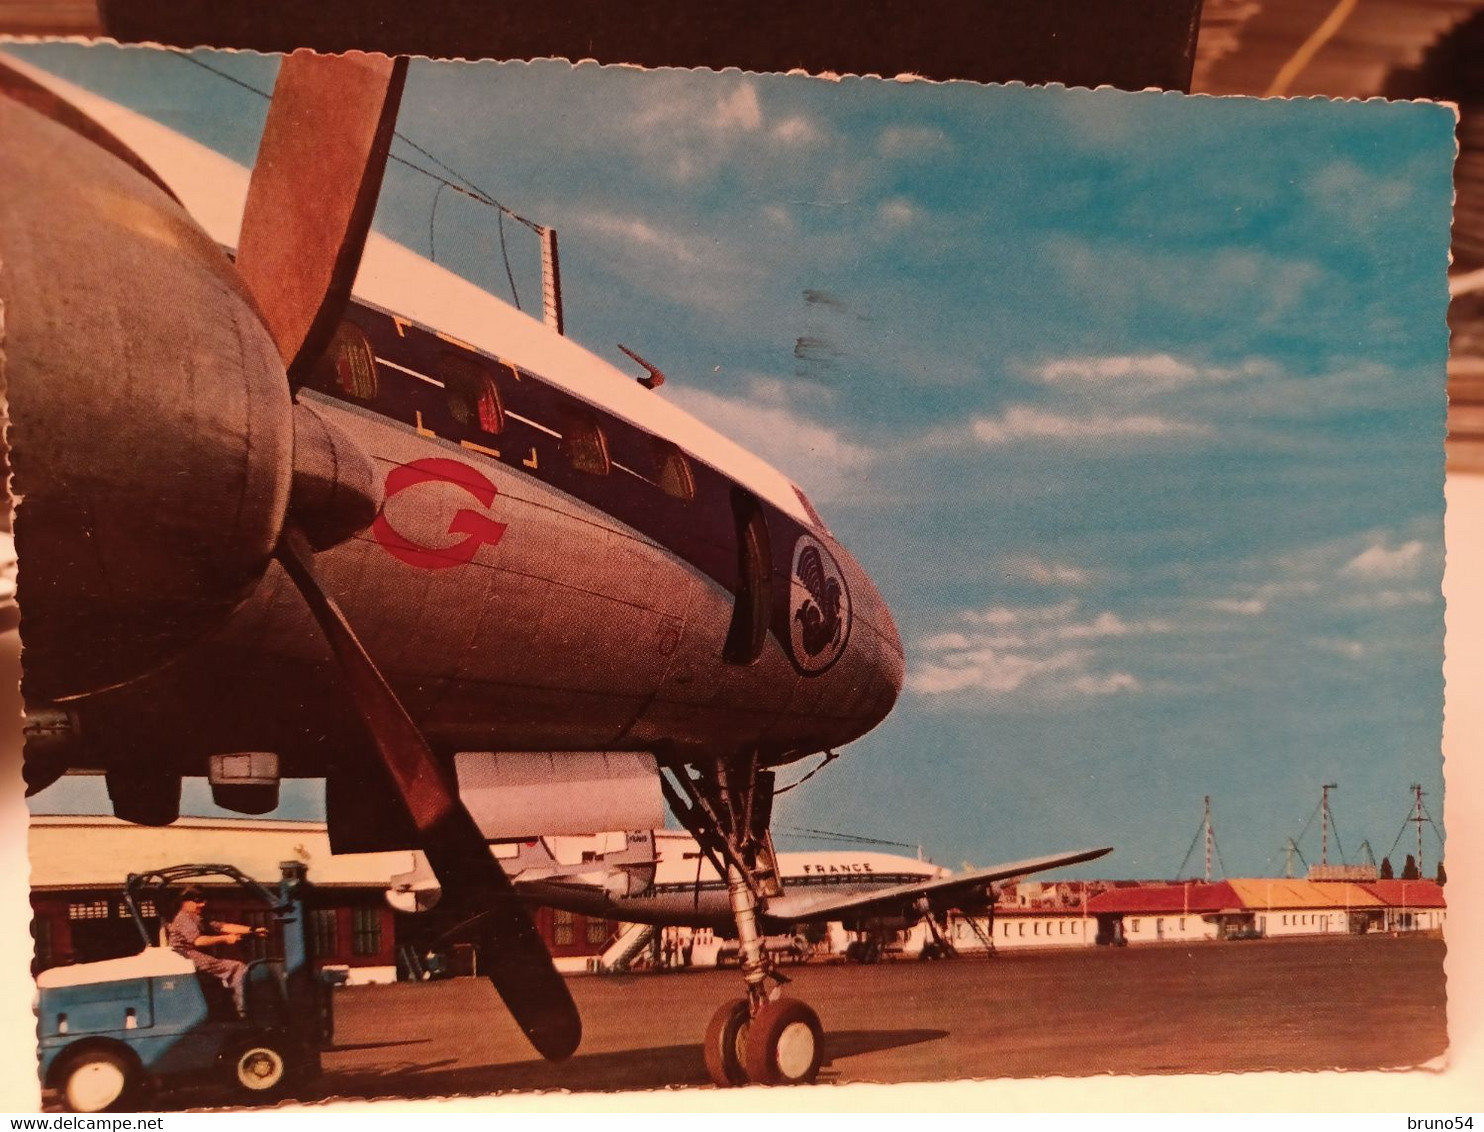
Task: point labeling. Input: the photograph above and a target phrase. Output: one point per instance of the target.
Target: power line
(855, 839)
(460, 184)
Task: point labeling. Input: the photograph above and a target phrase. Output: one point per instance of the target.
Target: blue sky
(1131, 403)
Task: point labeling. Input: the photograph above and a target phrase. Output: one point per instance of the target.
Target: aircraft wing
(827, 905)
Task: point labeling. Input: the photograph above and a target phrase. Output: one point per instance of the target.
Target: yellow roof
(1279, 892)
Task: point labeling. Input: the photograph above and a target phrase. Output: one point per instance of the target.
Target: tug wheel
(258, 1067)
(99, 1080)
(726, 1041)
(784, 1044)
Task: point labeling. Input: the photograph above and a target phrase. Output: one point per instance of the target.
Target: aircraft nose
(857, 672)
(879, 666)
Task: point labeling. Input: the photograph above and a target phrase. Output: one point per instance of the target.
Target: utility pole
(1324, 823)
(1418, 819)
(1211, 838)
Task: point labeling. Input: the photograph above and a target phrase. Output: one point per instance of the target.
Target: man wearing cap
(189, 933)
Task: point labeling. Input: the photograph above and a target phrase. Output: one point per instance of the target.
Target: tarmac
(1300, 1004)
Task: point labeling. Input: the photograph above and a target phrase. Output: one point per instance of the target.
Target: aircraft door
(753, 605)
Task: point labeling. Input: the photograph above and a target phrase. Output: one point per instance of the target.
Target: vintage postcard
(537, 577)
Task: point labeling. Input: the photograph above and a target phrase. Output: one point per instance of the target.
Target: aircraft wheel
(726, 1041)
(784, 1044)
(100, 1080)
(258, 1067)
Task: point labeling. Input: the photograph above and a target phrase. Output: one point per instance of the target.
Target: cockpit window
(585, 446)
(672, 471)
(473, 397)
(348, 367)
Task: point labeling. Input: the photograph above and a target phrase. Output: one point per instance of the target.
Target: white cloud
(1247, 607)
(1043, 573)
(1381, 561)
(946, 641)
(796, 130)
(897, 213)
(991, 671)
(912, 141)
(1021, 422)
(740, 110)
(1360, 198)
(1107, 685)
(1144, 373)
(690, 133)
(1038, 651)
(818, 457)
(641, 233)
(1351, 649)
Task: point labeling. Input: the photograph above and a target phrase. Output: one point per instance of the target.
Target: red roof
(1408, 893)
(1166, 898)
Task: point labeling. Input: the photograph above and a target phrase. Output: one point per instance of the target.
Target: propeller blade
(313, 194)
(521, 968)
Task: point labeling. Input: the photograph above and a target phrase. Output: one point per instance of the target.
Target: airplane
(664, 878)
(296, 502)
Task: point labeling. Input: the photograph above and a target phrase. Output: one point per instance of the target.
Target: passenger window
(673, 472)
(585, 446)
(473, 397)
(349, 365)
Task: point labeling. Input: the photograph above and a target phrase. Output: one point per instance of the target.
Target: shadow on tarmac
(657, 1067)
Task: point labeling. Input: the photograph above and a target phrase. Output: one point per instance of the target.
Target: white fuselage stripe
(413, 373)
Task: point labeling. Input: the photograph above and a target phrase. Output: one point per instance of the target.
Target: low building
(1410, 905)
(79, 865)
(1288, 906)
(1154, 913)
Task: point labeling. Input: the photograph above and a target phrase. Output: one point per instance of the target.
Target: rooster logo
(819, 609)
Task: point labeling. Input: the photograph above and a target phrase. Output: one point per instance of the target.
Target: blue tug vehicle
(110, 1030)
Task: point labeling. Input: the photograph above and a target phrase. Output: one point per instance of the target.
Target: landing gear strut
(765, 1038)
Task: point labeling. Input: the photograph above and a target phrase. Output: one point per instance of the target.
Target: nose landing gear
(765, 1038)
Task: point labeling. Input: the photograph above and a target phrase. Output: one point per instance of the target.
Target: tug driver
(189, 933)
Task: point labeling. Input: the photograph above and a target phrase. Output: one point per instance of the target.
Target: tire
(258, 1068)
(726, 1039)
(784, 1044)
(99, 1080)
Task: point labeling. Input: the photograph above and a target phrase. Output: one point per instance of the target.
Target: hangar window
(90, 910)
(348, 367)
(473, 398)
(365, 931)
(324, 935)
(270, 944)
(585, 446)
(562, 928)
(41, 932)
(597, 931)
(672, 471)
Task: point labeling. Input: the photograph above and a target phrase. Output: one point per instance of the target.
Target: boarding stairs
(631, 940)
